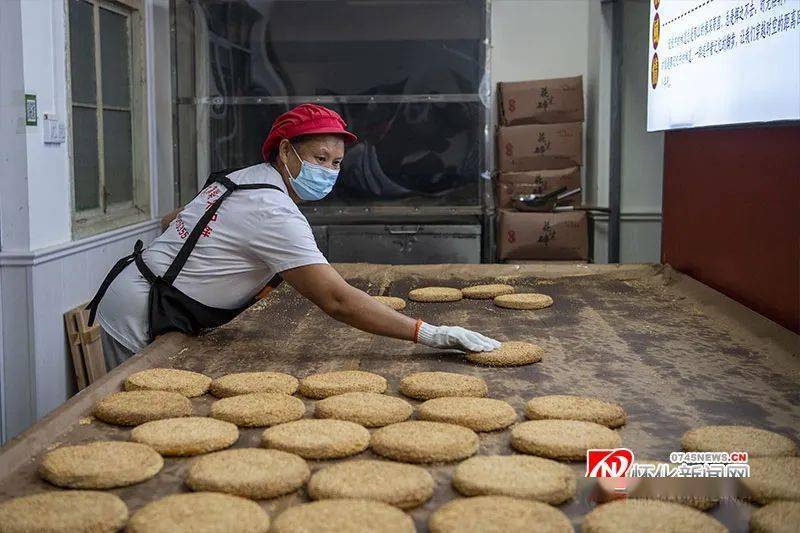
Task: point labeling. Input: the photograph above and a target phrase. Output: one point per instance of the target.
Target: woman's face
(323, 150)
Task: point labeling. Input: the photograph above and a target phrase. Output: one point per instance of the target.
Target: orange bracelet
(416, 330)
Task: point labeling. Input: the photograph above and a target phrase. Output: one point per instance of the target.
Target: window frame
(106, 217)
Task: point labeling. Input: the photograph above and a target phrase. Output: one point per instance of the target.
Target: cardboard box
(539, 147)
(510, 184)
(563, 235)
(541, 101)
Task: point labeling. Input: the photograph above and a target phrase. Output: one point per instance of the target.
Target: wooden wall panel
(732, 214)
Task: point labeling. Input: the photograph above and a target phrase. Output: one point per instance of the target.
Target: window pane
(431, 152)
(415, 151)
(84, 158)
(117, 156)
(323, 47)
(81, 51)
(115, 62)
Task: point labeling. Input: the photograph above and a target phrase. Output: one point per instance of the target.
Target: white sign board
(718, 62)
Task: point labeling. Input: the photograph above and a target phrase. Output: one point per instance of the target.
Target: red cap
(305, 119)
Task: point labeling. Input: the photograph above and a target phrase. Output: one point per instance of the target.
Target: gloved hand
(454, 337)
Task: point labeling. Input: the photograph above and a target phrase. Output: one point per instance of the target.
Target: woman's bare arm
(330, 292)
(167, 219)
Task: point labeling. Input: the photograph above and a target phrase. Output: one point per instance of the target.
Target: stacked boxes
(510, 184)
(539, 150)
(540, 147)
(562, 235)
(556, 101)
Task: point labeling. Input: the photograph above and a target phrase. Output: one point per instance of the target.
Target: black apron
(169, 309)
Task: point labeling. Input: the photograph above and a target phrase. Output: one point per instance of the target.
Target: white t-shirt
(254, 235)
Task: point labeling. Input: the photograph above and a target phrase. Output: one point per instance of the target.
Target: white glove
(454, 337)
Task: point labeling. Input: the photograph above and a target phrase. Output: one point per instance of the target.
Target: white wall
(44, 272)
(555, 38)
(598, 105)
(539, 39)
(43, 48)
(13, 206)
(14, 231)
(642, 152)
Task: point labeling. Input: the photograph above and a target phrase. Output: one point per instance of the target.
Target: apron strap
(144, 270)
(118, 267)
(224, 180)
(183, 254)
(215, 175)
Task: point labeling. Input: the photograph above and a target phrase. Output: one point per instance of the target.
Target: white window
(108, 116)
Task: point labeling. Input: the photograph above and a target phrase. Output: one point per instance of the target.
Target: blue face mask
(314, 182)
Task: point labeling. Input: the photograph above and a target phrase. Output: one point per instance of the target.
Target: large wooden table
(673, 352)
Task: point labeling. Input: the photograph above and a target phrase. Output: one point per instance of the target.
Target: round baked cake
(209, 512)
(100, 465)
(512, 353)
(565, 440)
(497, 513)
(419, 441)
(428, 385)
(486, 292)
(64, 511)
(435, 294)
(518, 476)
(366, 408)
(478, 414)
(523, 301)
(772, 479)
(564, 407)
(398, 304)
(778, 517)
(132, 408)
(324, 384)
(397, 484)
(633, 516)
(258, 409)
(250, 382)
(186, 436)
(249, 472)
(341, 516)
(317, 438)
(189, 384)
(755, 441)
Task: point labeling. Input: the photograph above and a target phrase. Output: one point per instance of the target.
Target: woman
(240, 237)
